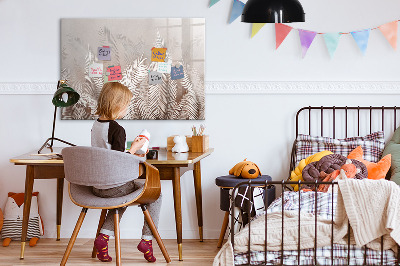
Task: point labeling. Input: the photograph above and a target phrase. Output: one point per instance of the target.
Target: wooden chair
(85, 167)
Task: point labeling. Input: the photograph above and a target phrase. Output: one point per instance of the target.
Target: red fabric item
(101, 245)
(146, 247)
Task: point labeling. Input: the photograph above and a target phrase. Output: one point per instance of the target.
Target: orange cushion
(375, 170)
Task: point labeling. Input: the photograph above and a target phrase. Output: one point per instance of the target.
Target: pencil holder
(200, 143)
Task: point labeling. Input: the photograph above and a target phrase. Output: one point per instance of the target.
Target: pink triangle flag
(306, 39)
(389, 30)
(281, 31)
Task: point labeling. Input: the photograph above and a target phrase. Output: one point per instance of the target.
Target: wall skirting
(248, 87)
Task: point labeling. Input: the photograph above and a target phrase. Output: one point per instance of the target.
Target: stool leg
(223, 229)
(101, 222)
(117, 239)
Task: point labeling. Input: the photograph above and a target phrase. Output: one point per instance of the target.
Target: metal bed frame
(284, 183)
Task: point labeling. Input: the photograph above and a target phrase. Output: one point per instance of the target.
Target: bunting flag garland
(389, 30)
(281, 31)
(361, 37)
(332, 41)
(237, 9)
(306, 39)
(213, 2)
(256, 28)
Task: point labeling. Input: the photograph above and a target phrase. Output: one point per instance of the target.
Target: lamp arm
(54, 118)
(54, 126)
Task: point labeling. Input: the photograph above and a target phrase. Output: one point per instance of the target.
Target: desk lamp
(63, 97)
(273, 11)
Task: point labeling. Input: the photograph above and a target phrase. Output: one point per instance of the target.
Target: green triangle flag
(213, 2)
(256, 28)
(332, 41)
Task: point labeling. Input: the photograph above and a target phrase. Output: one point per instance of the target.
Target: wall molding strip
(247, 87)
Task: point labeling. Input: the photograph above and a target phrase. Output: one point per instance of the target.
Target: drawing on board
(160, 60)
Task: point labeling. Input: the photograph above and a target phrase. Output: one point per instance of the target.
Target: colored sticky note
(158, 54)
(96, 70)
(155, 77)
(177, 72)
(164, 67)
(104, 53)
(115, 73)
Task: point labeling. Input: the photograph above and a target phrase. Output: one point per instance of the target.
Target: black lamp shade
(273, 11)
(60, 101)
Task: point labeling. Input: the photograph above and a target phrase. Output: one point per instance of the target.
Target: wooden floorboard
(50, 252)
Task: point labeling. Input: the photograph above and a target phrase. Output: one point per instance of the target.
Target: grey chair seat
(83, 196)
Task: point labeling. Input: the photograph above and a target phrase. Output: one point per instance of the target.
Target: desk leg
(60, 190)
(27, 206)
(176, 182)
(199, 204)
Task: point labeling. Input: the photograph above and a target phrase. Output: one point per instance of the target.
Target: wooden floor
(50, 252)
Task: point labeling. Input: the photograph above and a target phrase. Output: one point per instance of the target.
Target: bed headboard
(344, 121)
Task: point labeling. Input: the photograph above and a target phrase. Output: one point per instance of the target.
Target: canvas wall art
(160, 60)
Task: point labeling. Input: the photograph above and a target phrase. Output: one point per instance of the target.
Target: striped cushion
(372, 145)
(13, 228)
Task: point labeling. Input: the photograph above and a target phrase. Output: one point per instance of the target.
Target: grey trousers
(154, 208)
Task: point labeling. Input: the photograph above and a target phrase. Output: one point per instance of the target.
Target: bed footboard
(382, 260)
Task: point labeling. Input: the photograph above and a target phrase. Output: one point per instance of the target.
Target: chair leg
(73, 237)
(117, 238)
(223, 229)
(154, 230)
(101, 222)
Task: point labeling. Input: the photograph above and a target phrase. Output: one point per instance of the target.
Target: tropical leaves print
(169, 100)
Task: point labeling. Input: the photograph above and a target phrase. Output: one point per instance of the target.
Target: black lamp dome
(273, 11)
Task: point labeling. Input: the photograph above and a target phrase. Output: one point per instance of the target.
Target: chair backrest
(92, 166)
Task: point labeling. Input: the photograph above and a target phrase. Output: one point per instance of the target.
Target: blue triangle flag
(361, 37)
(332, 41)
(237, 10)
(213, 2)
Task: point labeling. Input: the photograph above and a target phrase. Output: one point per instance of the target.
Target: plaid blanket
(323, 205)
(340, 254)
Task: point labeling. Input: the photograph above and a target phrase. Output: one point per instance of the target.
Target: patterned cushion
(372, 144)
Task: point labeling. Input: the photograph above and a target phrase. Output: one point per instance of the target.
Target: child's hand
(143, 155)
(137, 144)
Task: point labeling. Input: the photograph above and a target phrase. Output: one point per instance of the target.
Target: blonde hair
(113, 98)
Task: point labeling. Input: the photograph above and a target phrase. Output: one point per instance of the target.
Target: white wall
(259, 127)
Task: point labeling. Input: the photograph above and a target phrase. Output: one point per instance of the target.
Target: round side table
(226, 183)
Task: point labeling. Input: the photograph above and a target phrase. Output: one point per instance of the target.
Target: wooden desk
(168, 164)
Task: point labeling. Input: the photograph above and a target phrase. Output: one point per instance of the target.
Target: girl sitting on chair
(106, 133)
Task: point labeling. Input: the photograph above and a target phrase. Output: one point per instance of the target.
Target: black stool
(226, 183)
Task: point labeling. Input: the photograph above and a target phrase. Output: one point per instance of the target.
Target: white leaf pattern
(172, 99)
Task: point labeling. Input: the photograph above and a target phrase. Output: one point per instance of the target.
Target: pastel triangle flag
(281, 31)
(361, 37)
(332, 41)
(237, 9)
(389, 30)
(256, 28)
(306, 39)
(213, 2)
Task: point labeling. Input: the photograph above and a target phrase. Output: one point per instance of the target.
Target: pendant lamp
(63, 97)
(273, 11)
